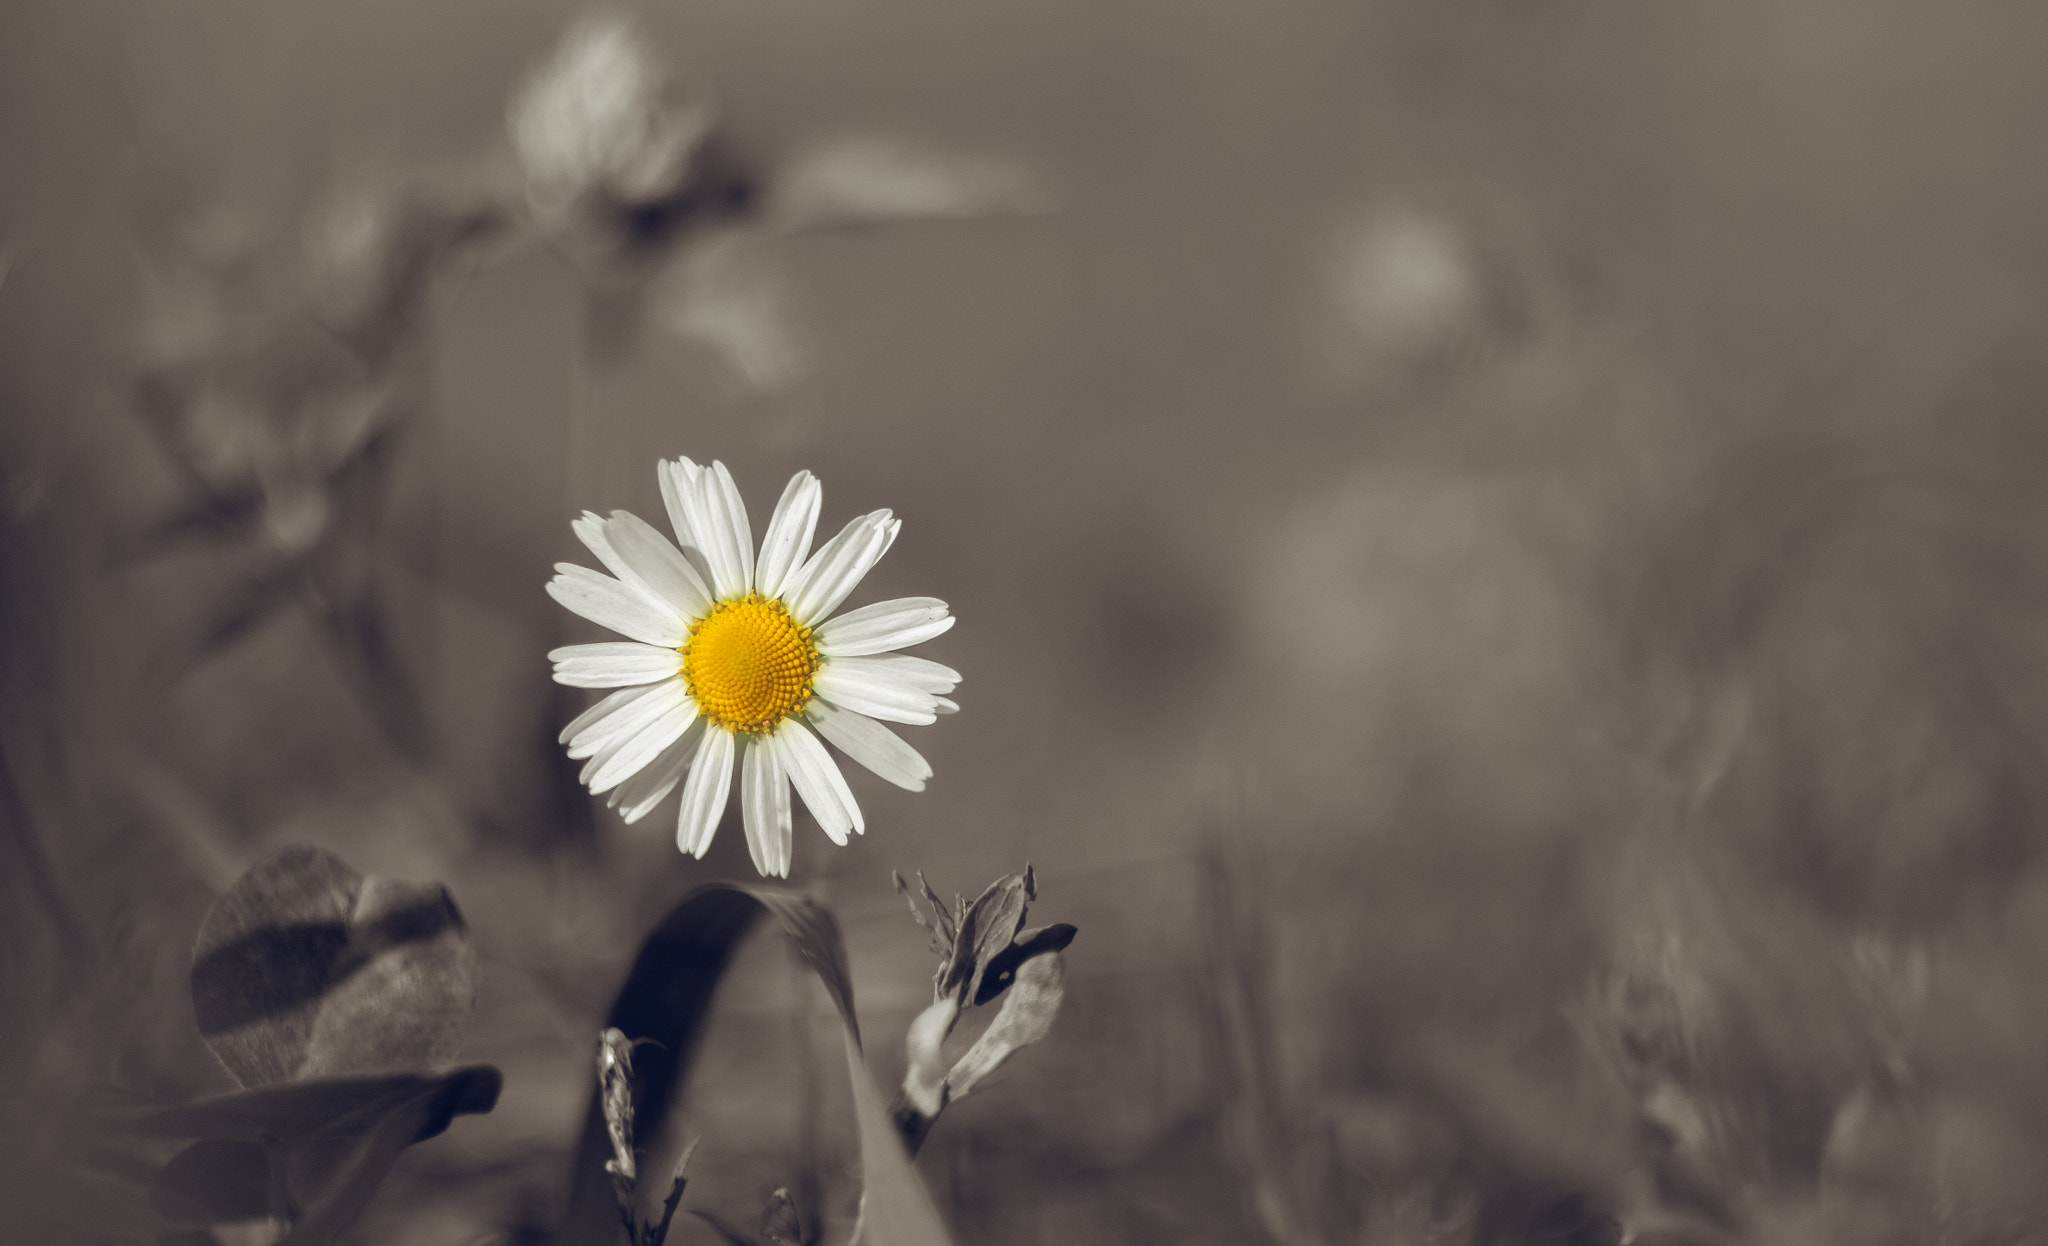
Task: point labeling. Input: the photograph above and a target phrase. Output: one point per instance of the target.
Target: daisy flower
(734, 662)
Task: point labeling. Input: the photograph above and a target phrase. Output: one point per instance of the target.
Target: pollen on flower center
(748, 665)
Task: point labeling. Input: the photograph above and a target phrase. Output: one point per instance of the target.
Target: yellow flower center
(748, 665)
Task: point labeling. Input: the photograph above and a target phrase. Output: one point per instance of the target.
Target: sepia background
(1500, 553)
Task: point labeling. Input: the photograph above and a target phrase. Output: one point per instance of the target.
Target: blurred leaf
(360, 632)
(729, 293)
(726, 1231)
(299, 1110)
(212, 517)
(214, 1181)
(1027, 1016)
(666, 998)
(364, 1163)
(226, 622)
(306, 968)
(874, 180)
(895, 1208)
(336, 1138)
(816, 936)
(375, 255)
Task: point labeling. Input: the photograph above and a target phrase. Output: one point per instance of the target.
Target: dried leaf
(1027, 1016)
(986, 928)
(1001, 968)
(941, 927)
(615, 1092)
(779, 1223)
(306, 968)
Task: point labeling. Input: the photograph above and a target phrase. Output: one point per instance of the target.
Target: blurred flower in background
(1417, 291)
(643, 191)
(735, 660)
(610, 162)
(278, 382)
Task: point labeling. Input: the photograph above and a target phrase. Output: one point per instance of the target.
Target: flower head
(735, 662)
(592, 120)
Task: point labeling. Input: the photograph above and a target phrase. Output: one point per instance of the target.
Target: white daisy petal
(724, 496)
(601, 710)
(871, 744)
(849, 685)
(589, 529)
(834, 551)
(789, 534)
(901, 673)
(816, 590)
(764, 808)
(817, 779)
(920, 673)
(629, 719)
(613, 664)
(637, 796)
(719, 519)
(657, 566)
(636, 751)
(705, 792)
(617, 605)
(601, 749)
(672, 502)
(883, 626)
(678, 486)
(635, 552)
(894, 686)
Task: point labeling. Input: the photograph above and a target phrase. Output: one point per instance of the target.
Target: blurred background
(1500, 554)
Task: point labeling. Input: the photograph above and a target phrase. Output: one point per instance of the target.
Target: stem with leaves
(615, 1090)
(984, 952)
